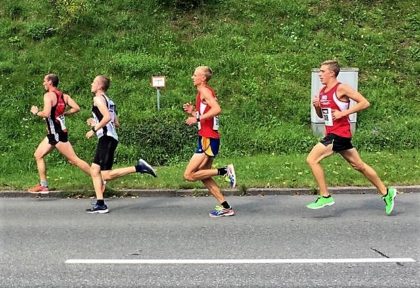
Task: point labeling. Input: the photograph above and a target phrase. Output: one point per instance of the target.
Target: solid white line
(238, 261)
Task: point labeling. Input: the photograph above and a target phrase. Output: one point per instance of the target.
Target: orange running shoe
(38, 189)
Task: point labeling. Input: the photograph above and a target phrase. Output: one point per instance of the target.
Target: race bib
(62, 120)
(216, 123)
(327, 115)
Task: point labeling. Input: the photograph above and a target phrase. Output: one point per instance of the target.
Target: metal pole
(158, 98)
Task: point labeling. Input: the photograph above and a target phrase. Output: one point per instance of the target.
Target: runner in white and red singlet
(332, 105)
(205, 115)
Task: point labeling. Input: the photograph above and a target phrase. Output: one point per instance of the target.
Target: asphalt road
(38, 236)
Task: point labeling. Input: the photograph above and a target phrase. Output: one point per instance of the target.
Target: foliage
(185, 5)
(69, 12)
(262, 53)
(160, 138)
(265, 171)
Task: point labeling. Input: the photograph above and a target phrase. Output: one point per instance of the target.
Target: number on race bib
(327, 115)
(216, 123)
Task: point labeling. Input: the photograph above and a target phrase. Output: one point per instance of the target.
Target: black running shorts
(105, 150)
(339, 143)
(57, 137)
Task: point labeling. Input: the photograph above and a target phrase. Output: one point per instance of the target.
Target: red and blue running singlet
(207, 127)
(56, 122)
(329, 101)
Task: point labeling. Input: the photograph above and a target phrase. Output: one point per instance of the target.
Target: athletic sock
(44, 183)
(138, 168)
(225, 205)
(327, 196)
(222, 171)
(100, 202)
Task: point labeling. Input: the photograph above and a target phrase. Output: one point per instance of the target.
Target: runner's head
(329, 70)
(50, 80)
(202, 75)
(100, 83)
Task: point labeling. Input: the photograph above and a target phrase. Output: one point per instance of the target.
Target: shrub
(160, 137)
(39, 31)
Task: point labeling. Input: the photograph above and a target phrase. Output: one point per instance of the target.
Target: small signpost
(158, 82)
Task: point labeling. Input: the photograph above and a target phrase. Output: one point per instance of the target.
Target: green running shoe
(389, 200)
(321, 202)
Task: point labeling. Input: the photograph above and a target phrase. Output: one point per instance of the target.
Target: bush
(160, 137)
(39, 31)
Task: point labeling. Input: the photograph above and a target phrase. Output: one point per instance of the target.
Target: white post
(158, 82)
(158, 98)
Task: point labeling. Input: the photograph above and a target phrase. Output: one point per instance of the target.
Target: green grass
(254, 171)
(262, 53)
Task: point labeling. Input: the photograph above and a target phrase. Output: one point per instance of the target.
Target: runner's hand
(34, 110)
(188, 108)
(191, 121)
(91, 122)
(337, 114)
(89, 134)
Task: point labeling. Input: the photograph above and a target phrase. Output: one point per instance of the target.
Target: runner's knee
(311, 161)
(95, 170)
(189, 176)
(38, 155)
(358, 166)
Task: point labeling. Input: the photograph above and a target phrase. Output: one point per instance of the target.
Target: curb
(204, 192)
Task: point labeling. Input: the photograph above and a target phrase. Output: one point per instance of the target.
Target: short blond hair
(206, 71)
(105, 82)
(333, 66)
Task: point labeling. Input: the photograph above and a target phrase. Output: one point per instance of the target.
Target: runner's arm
(345, 90)
(212, 102)
(116, 121)
(46, 111)
(317, 106)
(74, 107)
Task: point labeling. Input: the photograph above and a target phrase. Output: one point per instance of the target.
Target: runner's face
(198, 77)
(325, 74)
(46, 83)
(95, 85)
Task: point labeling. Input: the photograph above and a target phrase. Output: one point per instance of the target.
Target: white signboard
(158, 81)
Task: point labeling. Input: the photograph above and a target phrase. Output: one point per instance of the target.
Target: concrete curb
(204, 192)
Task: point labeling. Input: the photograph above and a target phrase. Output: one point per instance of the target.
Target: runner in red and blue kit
(332, 104)
(208, 129)
(205, 115)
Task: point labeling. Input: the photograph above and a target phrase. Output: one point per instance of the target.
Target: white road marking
(238, 261)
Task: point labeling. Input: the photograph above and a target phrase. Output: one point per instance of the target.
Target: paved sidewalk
(204, 192)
